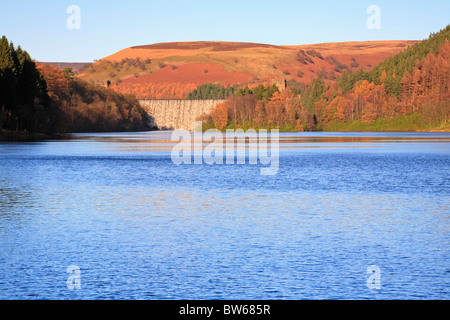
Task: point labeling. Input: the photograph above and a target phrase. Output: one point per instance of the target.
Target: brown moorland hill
(234, 63)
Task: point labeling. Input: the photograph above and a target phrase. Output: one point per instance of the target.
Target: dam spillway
(177, 113)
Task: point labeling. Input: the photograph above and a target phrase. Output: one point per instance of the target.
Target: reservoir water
(140, 227)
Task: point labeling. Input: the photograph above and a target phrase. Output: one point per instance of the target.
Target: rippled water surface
(140, 227)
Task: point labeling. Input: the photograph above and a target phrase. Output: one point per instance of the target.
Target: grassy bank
(408, 123)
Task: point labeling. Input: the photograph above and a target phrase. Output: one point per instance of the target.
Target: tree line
(211, 91)
(24, 101)
(217, 91)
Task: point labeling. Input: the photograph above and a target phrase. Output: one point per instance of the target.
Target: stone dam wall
(177, 114)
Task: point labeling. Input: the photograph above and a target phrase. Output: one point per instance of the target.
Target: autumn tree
(338, 110)
(220, 116)
(427, 88)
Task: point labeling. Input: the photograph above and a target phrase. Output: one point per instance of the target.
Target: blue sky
(40, 27)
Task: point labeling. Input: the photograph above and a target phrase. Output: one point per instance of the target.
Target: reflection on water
(140, 227)
(161, 141)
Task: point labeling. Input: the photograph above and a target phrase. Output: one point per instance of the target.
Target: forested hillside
(45, 99)
(392, 70)
(409, 91)
(84, 107)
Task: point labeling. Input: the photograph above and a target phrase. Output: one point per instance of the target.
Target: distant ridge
(76, 66)
(213, 45)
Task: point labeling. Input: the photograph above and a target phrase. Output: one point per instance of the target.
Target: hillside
(41, 100)
(171, 70)
(409, 91)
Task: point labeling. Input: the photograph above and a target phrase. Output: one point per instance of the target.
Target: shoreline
(6, 136)
(35, 137)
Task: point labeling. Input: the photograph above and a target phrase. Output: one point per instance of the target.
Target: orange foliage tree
(220, 116)
(57, 83)
(338, 110)
(427, 88)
